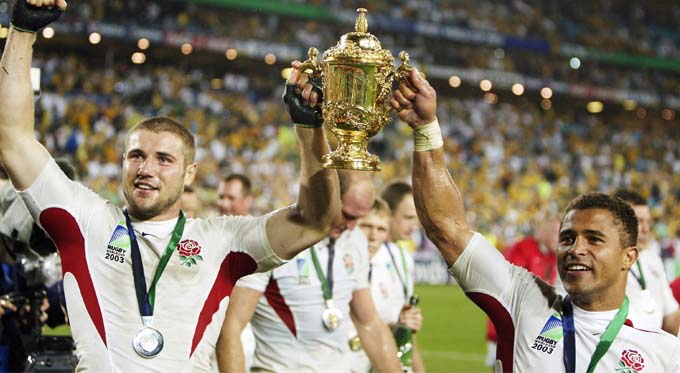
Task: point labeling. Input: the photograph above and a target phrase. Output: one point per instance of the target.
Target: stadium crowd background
(217, 66)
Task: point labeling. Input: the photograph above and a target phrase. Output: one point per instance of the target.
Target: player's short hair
(381, 208)
(394, 193)
(165, 124)
(624, 215)
(246, 185)
(630, 196)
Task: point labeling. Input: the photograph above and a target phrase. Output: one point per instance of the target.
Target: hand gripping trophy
(357, 77)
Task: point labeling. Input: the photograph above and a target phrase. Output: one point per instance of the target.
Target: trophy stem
(351, 153)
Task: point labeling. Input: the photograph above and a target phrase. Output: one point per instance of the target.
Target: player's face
(592, 263)
(644, 218)
(231, 199)
(376, 228)
(154, 175)
(404, 219)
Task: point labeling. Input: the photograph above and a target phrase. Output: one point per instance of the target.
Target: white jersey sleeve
(250, 236)
(481, 268)
(53, 190)
(256, 281)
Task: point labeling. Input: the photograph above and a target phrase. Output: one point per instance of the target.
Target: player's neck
(372, 251)
(169, 214)
(598, 303)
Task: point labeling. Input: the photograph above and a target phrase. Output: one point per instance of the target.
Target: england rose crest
(189, 251)
(631, 362)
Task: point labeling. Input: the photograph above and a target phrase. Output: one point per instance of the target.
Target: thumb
(418, 81)
(293, 77)
(294, 72)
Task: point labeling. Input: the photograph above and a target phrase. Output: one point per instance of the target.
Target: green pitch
(452, 338)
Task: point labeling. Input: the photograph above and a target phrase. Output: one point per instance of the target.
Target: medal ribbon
(404, 280)
(326, 281)
(146, 300)
(641, 279)
(602, 346)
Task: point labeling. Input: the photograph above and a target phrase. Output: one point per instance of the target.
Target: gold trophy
(357, 77)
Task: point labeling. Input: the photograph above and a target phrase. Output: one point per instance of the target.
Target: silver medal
(148, 342)
(331, 316)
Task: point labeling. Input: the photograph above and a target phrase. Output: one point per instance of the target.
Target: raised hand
(415, 100)
(32, 15)
(302, 98)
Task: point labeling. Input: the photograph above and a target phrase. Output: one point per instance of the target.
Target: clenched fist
(32, 15)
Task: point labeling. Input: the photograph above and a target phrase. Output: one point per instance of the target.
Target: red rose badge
(631, 362)
(188, 252)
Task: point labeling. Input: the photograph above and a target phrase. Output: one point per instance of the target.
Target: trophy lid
(359, 46)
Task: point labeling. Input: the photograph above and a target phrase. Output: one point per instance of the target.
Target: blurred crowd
(618, 27)
(630, 26)
(614, 25)
(625, 28)
(519, 161)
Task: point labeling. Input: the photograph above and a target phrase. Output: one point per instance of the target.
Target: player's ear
(630, 255)
(190, 174)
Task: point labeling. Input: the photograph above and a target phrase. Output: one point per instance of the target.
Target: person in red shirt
(675, 288)
(537, 254)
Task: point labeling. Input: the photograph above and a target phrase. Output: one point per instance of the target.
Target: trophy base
(363, 162)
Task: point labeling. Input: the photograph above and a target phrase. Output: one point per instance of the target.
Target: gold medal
(355, 343)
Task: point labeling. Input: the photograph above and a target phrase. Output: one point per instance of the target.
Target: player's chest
(540, 347)
(183, 259)
(307, 270)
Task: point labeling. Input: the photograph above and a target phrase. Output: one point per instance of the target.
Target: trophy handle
(404, 70)
(311, 65)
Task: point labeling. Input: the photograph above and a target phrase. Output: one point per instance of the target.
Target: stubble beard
(147, 210)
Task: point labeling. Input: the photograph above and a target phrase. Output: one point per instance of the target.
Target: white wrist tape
(428, 137)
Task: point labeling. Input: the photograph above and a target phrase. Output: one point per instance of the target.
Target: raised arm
(438, 201)
(317, 210)
(22, 156)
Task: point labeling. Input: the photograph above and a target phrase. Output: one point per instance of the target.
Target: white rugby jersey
(526, 312)
(387, 291)
(190, 304)
(287, 322)
(657, 300)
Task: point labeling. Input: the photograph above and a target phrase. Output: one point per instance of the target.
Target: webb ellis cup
(357, 77)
